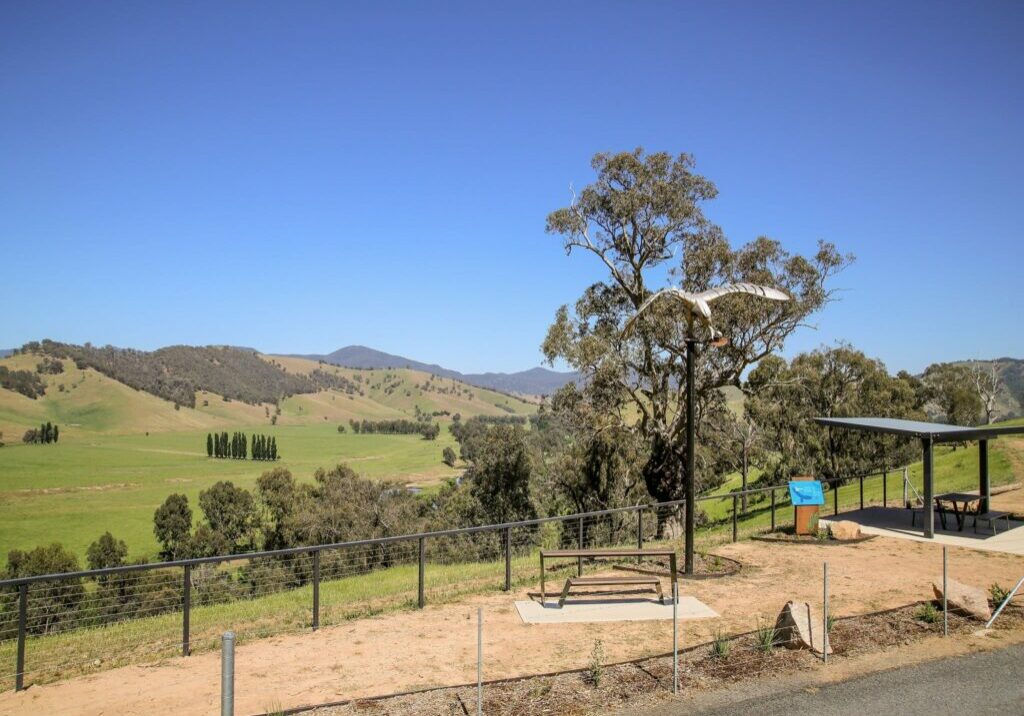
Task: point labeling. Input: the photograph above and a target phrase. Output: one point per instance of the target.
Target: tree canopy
(643, 219)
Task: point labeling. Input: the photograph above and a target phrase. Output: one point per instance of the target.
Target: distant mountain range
(536, 381)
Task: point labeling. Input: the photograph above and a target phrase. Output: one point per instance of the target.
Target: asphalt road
(972, 685)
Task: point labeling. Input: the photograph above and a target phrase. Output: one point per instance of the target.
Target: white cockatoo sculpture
(697, 303)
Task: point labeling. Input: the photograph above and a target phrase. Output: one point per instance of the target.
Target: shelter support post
(929, 488)
(984, 487)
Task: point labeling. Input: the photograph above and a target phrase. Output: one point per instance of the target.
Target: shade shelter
(931, 434)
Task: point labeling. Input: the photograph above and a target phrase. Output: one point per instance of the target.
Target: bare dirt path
(437, 646)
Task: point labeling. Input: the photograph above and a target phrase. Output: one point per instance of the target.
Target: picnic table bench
(581, 581)
(964, 505)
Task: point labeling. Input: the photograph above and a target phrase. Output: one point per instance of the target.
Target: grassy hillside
(122, 451)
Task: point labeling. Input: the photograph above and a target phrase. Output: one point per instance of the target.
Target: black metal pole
(19, 672)
(579, 545)
(690, 484)
(422, 598)
(862, 492)
(734, 506)
(639, 531)
(985, 486)
(316, 590)
(773, 510)
(885, 487)
(929, 489)
(508, 558)
(835, 497)
(186, 609)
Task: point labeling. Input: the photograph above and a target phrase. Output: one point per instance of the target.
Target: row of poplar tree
(236, 447)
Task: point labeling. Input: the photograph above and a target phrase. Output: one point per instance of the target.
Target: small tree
(988, 386)
(448, 456)
(106, 552)
(49, 604)
(172, 525)
(209, 445)
(230, 513)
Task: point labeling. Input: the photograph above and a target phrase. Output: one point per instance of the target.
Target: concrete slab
(618, 610)
(895, 522)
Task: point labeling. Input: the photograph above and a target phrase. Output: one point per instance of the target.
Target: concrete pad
(895, 522)
(619, 610)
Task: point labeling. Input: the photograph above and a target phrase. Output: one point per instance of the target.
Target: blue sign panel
(806, 492)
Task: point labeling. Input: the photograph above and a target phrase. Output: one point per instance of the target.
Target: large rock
(799, 626)
(844, 530)
(964, 597)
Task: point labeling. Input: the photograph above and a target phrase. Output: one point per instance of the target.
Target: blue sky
(302, 176)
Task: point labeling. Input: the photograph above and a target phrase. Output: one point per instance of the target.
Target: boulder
(844, 530)
(968, 599)
(800, 627)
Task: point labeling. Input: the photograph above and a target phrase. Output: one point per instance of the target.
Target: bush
(997, 593)
(720, 646)
(766, 636)
(595, 669)
(927, 613)
(448, 456)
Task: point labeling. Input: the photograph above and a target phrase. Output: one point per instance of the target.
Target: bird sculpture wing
(675, 293)
(772, 294)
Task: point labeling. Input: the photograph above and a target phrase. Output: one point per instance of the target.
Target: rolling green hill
(123, 450)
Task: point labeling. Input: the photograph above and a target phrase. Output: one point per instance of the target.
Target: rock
(844, 530)
(964, 597)
(800, 627)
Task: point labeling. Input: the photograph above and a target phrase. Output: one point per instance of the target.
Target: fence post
(639, 531)
(186, 609)
(773, 510)
(19, 672)
(824, 617)
(675, 637)
(905, 480)
(422, 600)
(508, 558)
(945, 601)
(479, 661)
(885, 487)
(316, 590)
(734, 506)
(579, 545)
(227, 674)
(835, 497)
(862, 492)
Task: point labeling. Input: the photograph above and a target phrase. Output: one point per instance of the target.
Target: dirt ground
(437, 646)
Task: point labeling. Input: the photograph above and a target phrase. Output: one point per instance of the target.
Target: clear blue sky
(302, 176)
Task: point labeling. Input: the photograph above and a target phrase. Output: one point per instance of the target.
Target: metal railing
(54, 604)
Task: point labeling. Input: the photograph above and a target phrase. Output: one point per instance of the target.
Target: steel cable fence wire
(156, 595)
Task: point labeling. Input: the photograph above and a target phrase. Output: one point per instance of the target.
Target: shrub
(927, 613)
(997, 593)
(766, 635)
(595, 670)
(720, 646)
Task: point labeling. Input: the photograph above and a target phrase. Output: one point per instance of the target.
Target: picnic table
(580, 580)
(961, 503)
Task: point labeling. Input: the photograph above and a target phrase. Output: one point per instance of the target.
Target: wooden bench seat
(991, 517)
(638, 580)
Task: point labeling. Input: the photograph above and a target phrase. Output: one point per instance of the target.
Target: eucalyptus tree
(837, 381)
(643, 219)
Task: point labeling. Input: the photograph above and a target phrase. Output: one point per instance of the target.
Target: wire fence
(55, 626)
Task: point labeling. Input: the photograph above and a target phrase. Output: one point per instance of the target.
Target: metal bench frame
(991, 517)
(581, 554)
(610, 582)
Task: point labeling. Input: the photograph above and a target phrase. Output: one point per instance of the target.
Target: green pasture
(73, 491)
